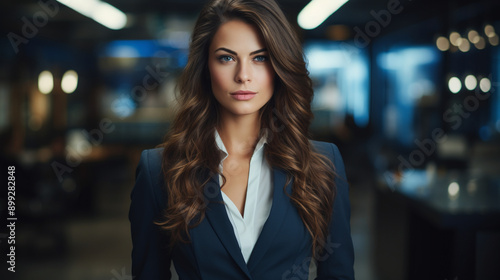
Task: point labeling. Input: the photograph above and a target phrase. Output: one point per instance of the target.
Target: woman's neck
(239, 133)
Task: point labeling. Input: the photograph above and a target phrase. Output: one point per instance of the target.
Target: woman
(238, 191)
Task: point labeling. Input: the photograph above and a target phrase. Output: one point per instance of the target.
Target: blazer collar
(277, 216)
(217, 217)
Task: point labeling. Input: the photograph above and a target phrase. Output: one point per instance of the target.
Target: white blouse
(259, 198)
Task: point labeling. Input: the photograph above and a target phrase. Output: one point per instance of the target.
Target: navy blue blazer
(282, 251)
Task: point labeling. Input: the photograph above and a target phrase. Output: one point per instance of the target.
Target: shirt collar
(258, 147)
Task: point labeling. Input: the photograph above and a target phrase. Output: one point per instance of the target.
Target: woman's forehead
(237, 35)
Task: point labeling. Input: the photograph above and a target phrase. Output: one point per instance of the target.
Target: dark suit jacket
(282, 251)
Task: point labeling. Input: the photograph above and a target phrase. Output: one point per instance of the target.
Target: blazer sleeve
(337, 259)
(150, 256)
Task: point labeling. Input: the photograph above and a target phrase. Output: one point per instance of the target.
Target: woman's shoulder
(326, 148)
(149, 173)
(152, 157)
(331, 151)
(151, 160)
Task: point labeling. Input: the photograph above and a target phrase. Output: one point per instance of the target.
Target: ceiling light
(99, 11)
(454, 85)
(45, 82)
(485, 84)
(317, 11)
(69, 81)
(470, 82)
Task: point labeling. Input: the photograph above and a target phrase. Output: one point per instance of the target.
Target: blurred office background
(408, 90)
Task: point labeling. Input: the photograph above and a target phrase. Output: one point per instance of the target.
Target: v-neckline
(231, 203)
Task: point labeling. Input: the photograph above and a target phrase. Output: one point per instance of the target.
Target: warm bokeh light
(45, 82)
(493, 40)
(489, 30)
(453, 189)
(455, 39)
(485, 85)
(464, 45)
(473, 36)
(69, 81)
(470, 82)
(442, 43)
(455, 85)
(481, 43)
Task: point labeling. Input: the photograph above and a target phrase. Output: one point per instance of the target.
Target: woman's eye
(225, 58)
(260, 58)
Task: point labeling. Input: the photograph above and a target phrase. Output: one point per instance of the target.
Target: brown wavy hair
(190, 155)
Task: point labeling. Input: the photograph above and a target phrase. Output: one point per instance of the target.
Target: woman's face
(242, 75)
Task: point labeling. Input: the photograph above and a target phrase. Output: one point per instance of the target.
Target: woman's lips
(243, 94)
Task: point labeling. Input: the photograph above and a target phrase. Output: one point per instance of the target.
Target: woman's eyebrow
(234, 53)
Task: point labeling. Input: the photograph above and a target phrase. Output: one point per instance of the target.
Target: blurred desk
(453, 201)
(438, 226)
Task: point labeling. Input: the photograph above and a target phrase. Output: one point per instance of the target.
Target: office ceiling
(69, 26)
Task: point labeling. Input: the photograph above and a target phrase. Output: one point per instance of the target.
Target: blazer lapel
(217, 217)
(277, 216)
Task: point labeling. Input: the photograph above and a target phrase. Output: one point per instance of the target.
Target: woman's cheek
(220, 78)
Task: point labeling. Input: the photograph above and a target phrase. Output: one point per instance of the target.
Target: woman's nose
(243, 73)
